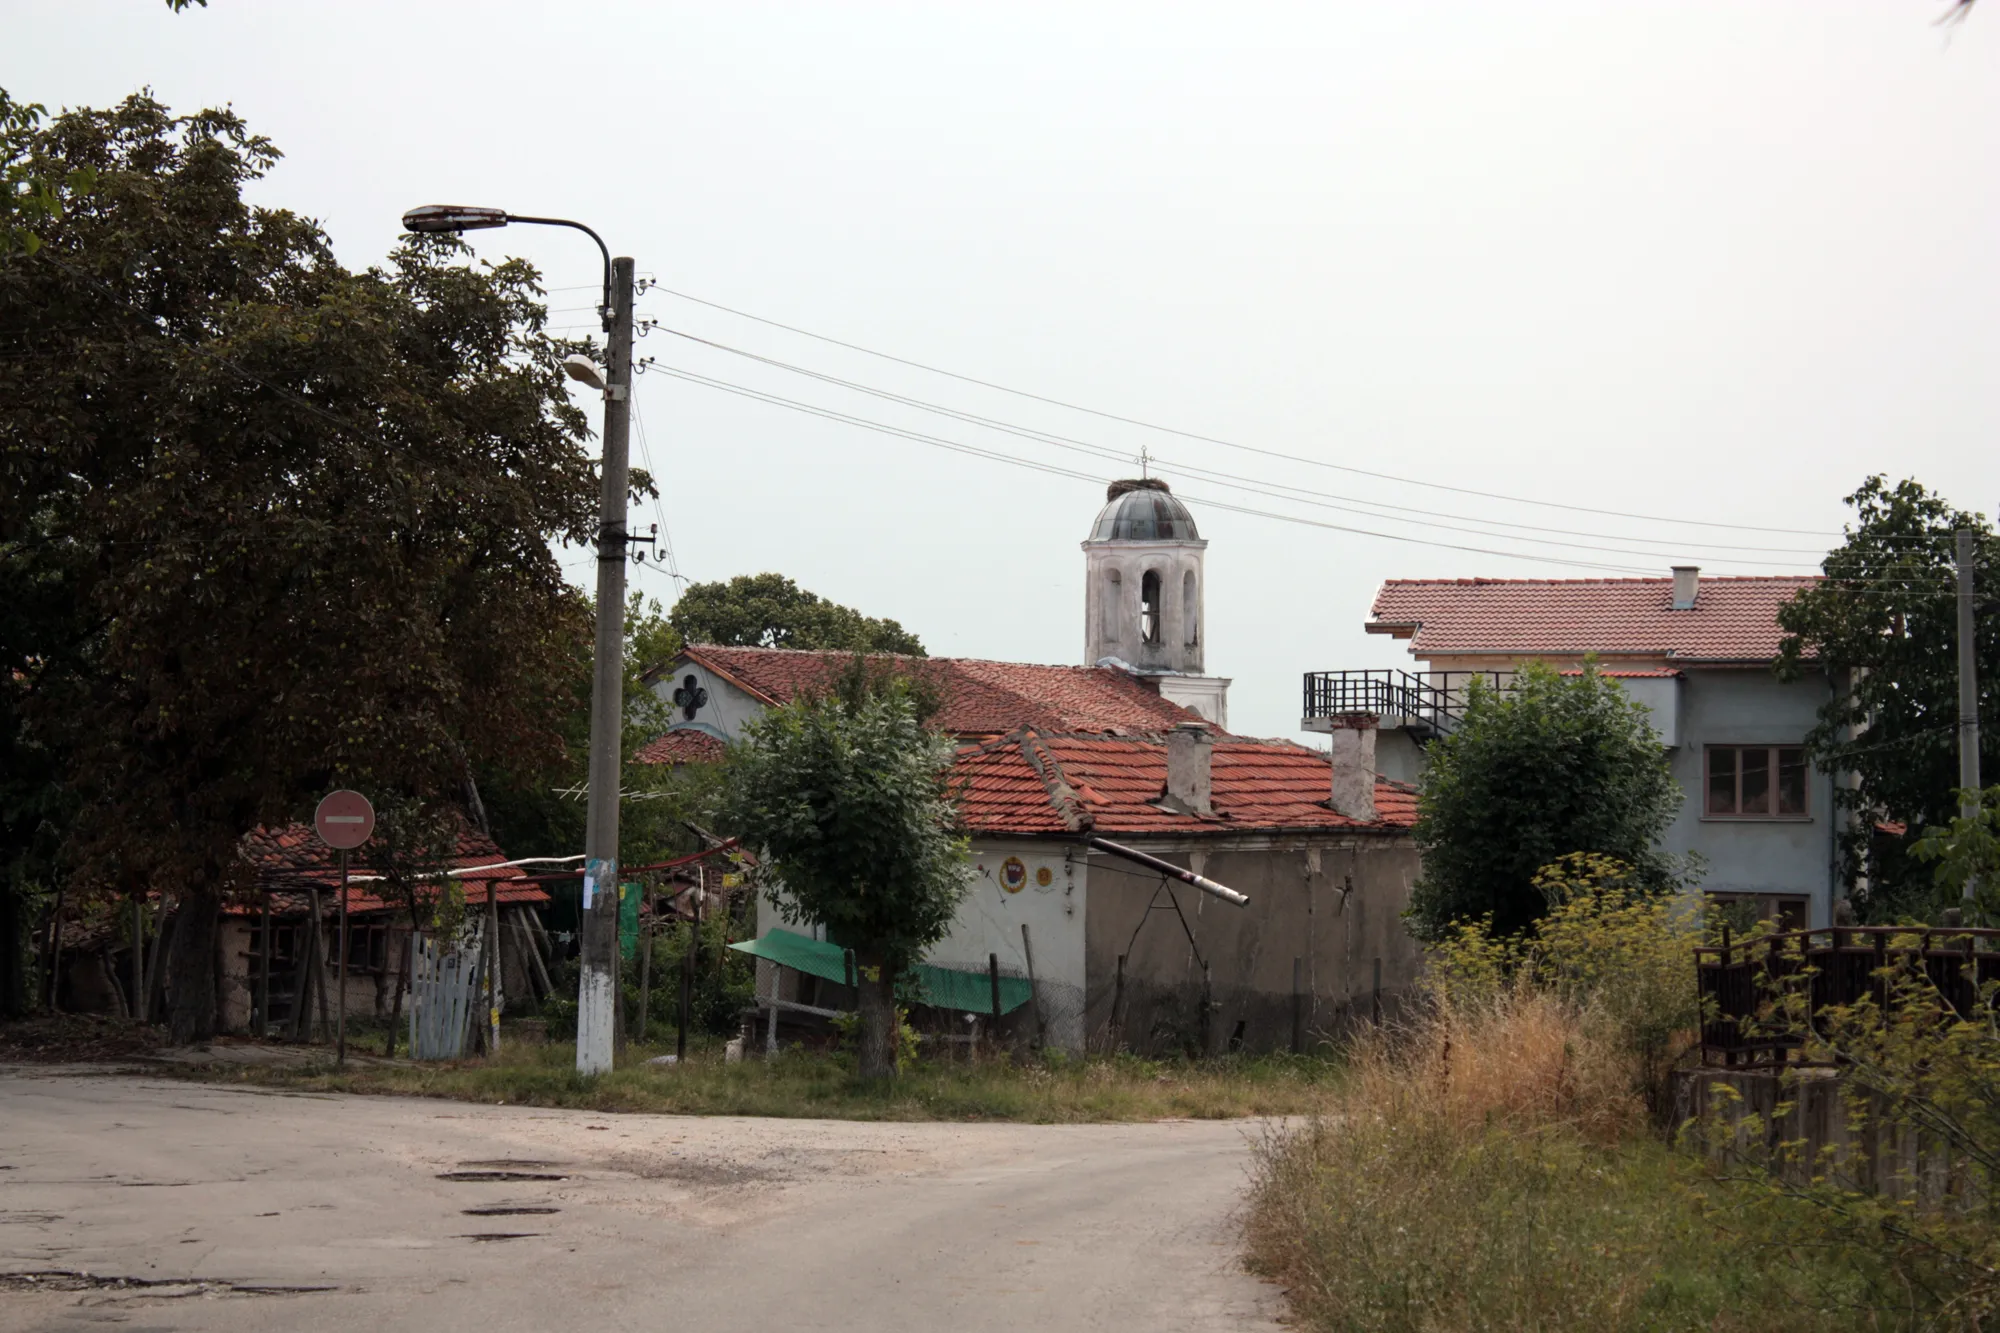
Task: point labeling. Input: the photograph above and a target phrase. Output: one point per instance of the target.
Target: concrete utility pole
(1968, 685)
(596, 1025)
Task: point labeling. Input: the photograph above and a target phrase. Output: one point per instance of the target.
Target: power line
(1230, 444)
(1261, 486)
(1012, 460)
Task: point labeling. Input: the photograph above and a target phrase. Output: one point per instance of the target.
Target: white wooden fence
(447, 995)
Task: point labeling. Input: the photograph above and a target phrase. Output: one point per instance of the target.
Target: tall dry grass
(1490, 1166)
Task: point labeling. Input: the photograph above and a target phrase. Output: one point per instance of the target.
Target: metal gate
(445, 992)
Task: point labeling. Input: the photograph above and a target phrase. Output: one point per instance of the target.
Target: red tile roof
(683, 746)
(980, 698)
(1733, 619)
(1035, 783)
(291, 860)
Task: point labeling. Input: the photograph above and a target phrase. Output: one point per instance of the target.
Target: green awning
(941, 987)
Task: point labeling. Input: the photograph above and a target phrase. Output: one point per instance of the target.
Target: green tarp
(941, 987)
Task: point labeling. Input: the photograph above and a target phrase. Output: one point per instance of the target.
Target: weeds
(1044, 1089)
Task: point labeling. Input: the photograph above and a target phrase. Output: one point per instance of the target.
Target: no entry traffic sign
(344, 819)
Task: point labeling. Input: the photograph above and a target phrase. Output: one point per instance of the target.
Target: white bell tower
(1144, 587)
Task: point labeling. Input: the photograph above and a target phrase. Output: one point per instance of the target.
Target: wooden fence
(1827, 968)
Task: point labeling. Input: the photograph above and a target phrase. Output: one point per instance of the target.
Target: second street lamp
(598, 936)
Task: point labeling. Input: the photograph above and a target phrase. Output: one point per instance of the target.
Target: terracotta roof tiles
(1033, 783)
(1733, 619)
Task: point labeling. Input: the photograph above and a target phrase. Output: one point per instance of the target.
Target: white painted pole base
(594, 1023)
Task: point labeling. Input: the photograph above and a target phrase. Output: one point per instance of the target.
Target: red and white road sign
(344, 819)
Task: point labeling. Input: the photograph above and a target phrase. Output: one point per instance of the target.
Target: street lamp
(598, 937)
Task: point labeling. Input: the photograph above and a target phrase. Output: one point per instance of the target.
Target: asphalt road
(259, 1210)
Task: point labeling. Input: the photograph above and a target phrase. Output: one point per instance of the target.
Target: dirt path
(235, 1200)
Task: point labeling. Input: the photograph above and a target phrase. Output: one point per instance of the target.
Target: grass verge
(1490, 1170)
(1051, 1089)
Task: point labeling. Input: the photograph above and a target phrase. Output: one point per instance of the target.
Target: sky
(1510, 290)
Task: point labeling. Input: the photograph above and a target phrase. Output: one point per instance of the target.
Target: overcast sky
(1693, 261)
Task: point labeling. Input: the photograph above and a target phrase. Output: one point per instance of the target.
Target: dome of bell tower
(1142, 510)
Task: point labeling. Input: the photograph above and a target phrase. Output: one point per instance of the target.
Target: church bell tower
(1143, 595)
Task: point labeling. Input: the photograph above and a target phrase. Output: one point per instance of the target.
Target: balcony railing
(1431, 702)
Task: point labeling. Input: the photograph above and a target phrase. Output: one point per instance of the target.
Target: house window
(1149, 606)
(1756, 782)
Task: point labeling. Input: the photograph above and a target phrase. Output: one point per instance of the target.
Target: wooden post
(1298, 1006)
(494, 975)
(993, 974)
(54, 954)
(522, 915)
(1207, 1012)
(1034, 996)
(264, 975)
(137, 1008)
(687, 994)
(645, 976)
(320, 986)
(1118, 1005)
(411, 965)
(155, 978)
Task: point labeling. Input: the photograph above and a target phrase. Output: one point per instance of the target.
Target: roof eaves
(694, 653)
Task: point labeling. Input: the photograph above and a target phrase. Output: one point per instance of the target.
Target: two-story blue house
(1697, 652)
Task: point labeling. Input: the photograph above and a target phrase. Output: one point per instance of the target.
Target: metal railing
(1432, 701)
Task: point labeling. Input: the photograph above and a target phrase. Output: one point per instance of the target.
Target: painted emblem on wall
(689, 698)
(1013, 874)
(1044, 877)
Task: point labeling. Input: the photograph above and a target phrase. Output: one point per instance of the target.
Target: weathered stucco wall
(1791, 855)
(1335, 906)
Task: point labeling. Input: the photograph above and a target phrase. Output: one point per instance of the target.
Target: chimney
(1687, 586)
(1189, 745)
(1354, 765)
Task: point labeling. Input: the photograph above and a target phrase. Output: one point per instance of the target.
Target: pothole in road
(516, 1163)
(507, 1210)
(499, 1235)
(498, 1175)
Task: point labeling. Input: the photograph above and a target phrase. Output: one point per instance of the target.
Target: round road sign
(344, 819)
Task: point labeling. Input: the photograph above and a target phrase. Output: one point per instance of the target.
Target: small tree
(1553, 765)
(849, 804)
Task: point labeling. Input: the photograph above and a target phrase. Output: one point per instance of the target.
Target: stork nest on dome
(1130, 484)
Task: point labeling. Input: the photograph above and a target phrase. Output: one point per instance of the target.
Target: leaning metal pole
(595, 1024)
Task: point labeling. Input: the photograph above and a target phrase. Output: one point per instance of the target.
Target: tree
(1884, 624)
(771, 611)
(1549, 766)
(849, 805)
(302, 516)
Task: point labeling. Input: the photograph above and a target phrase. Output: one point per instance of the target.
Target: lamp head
(584, 371)
(453, 218)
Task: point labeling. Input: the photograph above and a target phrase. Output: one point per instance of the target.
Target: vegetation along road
(253, 1209)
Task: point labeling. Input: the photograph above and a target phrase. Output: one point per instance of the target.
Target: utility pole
(596, 1022)
(1968, 687)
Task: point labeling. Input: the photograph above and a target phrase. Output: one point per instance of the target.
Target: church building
(1094, 795)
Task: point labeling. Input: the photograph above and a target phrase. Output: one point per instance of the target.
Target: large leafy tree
(848, 801)
(1884, 623)
(297, 520)
(771, 611)
(1551, 766)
